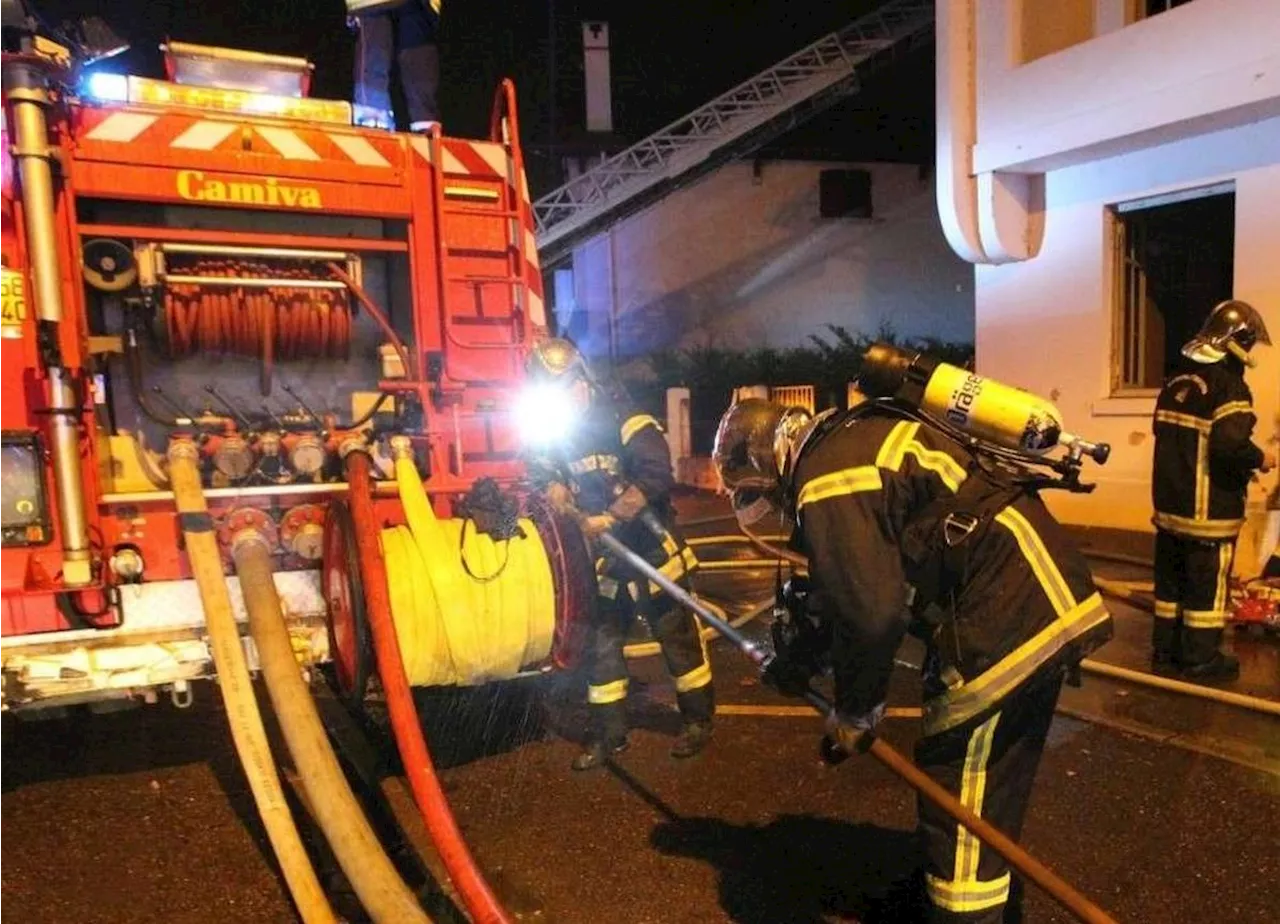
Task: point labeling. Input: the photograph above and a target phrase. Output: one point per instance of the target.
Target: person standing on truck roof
(1203, 461)
(612, 472)
(406, 29)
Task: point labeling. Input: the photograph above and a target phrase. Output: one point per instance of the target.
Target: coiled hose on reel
(455, 629)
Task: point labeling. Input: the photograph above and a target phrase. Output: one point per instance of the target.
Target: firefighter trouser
(990, 764)
(1191, 597)
(676, 631)
(408, 33)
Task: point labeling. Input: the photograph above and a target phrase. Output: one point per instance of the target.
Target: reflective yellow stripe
(1204, 619)
(700, 676)
(895, 445)
(1166, 609)
(607, 693)
(940, 463)
(675, 568)
(964, 702)
(968, 898)
(965, 891)
(634, 425)
(1198, 528)
(838, 484)
(1225, 551)
(1042, 563)
(1232, 407)
(669, 544)
(1189, 421)
(1202, 477)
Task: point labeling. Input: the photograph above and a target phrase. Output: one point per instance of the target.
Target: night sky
(668, 57)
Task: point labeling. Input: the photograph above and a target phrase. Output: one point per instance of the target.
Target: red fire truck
(219, 257)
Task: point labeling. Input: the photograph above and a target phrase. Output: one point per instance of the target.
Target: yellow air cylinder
(984, 409)
(988, 410)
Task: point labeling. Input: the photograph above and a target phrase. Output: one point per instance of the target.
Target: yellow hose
(247, 731)
(376, 882)
(467, 610)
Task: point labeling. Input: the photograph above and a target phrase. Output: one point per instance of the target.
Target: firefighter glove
(560, 498)
(594, 527)
(629, 504)
(843, 732)
(786, 675)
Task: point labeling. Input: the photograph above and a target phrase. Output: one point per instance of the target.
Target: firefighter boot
(608, 736)
(1164, 645)
(1221, 668)
(693, 738)
(598, 752)
(1203, 661)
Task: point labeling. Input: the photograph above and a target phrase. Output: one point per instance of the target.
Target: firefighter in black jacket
(1203, 461)
(906, 531)
(612, 469)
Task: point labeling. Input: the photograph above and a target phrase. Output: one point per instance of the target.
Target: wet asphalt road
(144, 816)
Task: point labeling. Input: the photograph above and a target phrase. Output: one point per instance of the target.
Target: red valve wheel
(350, 641)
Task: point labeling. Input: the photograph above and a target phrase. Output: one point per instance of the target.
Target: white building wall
(1031, 155)
(742, 260)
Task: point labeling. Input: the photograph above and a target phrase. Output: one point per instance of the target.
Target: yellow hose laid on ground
(467, 610)
(377, 884)
(237, 690)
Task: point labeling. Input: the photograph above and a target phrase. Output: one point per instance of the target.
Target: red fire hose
(479, 899)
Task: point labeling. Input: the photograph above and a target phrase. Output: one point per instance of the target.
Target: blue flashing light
(106, 88)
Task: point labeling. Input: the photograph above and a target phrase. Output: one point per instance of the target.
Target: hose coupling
(401, 447)
(183, 448)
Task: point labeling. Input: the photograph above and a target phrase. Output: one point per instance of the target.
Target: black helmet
(1232, 327)
(745, 448)
(756, 447)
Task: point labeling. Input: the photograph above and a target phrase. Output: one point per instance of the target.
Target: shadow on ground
(802, 868)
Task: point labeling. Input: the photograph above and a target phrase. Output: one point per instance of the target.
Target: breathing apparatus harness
(936, 542)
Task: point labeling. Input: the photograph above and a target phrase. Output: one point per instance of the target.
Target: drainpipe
(27, 89)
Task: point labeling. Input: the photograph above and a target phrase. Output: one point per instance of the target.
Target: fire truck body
(254, 271)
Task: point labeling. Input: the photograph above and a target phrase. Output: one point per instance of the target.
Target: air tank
(981, 407)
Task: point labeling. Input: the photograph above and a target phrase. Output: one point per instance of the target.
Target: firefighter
(612, 469)
(1203, 461)
(905, 530)
(405, 29)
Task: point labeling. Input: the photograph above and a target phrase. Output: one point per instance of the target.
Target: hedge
(711, 374)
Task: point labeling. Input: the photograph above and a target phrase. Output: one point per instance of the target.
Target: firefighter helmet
(1232, 327)
(757, 444)
(558, 360)
(744, 451)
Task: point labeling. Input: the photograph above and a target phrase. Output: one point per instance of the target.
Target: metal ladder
(730, 126)
(511, 211)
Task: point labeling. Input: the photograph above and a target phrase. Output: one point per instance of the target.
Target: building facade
(1112, 168)
(766, 254)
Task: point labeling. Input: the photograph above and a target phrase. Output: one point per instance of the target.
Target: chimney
(595, 44)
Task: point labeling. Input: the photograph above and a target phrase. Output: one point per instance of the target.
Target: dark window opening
(1154, 7)
(1173, 262)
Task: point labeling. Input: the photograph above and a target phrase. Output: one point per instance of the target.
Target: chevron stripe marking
(203, 136)
(495, 155)
(423, 147)
(359, 150)
(288, 144)
(121, 127)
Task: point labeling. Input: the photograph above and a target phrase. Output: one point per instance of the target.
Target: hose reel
(569, 591)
